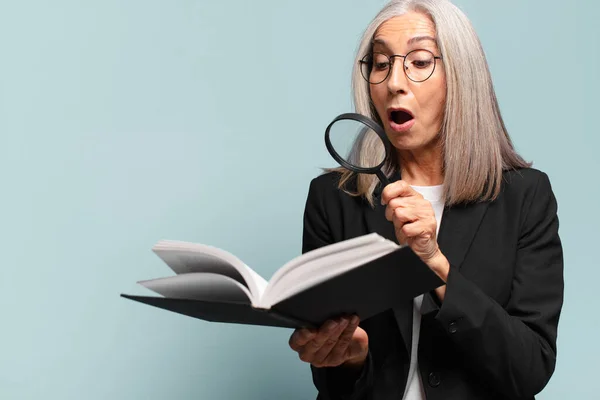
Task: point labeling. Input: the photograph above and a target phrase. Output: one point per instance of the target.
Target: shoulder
(326, 195)
(326, 181)
(326, 205)
(527, 192)
(327, 186)
(322, 188)
(525, 183)
(329, 181)
(523, 178)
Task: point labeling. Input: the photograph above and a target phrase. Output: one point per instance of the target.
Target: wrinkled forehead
(405, 32)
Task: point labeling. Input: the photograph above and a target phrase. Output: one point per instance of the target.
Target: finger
(337, 355)
(330, 343)
(397, 189)
(398, 202)
(419, 228)
(422, 205)
(301, 337)
(415, 209)
(402, 238)
(308, 351)
(404, 202)
(354, 350)
(401, 215)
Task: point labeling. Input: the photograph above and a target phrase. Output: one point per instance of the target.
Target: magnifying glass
(349, 135)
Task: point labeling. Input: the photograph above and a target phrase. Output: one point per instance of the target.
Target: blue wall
(122, 123)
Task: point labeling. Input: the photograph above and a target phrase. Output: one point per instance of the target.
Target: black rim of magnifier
(371, 124)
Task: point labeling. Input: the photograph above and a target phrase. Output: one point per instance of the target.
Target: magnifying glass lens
(353, 141)
(359, 144)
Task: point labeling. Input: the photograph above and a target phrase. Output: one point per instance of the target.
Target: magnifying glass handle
(384, 180)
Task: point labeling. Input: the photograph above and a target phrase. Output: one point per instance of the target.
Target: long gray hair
(476, 144)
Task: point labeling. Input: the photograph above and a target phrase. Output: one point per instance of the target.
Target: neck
(422, 167)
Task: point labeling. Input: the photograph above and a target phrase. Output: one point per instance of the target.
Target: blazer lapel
(458, 228)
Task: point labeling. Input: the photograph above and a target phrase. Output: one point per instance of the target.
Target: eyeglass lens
(418, 66)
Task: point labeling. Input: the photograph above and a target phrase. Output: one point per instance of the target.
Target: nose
(397, 81)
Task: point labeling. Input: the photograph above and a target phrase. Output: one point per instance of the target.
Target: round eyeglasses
(418, 66)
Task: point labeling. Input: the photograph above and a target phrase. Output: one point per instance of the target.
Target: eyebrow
(410, 41)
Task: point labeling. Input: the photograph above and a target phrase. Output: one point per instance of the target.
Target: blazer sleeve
(332, 383)
(513, 349)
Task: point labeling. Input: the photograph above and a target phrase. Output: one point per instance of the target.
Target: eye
(420, 59)
(421, 64)
(381, 65)
(380, 62)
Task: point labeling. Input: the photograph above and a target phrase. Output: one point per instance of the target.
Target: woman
(490, 332)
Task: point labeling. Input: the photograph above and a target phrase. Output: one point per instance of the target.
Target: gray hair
(476, 144)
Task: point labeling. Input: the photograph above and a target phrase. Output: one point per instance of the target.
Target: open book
(363, 275)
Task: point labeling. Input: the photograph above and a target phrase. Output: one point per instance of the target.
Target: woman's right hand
(337, 342)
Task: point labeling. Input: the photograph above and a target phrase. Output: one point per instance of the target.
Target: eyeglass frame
(392, 61)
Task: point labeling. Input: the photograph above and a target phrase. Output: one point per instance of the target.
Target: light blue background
(125, 122)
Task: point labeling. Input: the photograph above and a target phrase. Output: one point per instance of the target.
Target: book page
(185, 257)
(199, 286)
(183, 261)
(325, 251)
(260, 283)
(321, 269)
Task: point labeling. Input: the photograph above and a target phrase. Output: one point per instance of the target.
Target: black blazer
(494, 335)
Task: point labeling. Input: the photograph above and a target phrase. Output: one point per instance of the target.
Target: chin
(404, 140)
(405, 146)
(408, 142)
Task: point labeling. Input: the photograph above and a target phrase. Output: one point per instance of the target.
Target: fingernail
(333, 325)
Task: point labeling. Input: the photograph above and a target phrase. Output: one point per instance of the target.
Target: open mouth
(400, 117)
